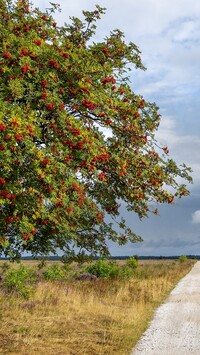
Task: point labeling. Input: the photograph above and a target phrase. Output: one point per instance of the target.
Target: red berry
(2, 127)
(18, 137)
(24, 52)
(44, 95)
(38, 42)
(25, 68)
(50, 107)
(7, 55)
(2, 181)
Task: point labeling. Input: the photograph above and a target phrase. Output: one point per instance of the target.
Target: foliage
(20, 281)
(60, 172)
(102, 268)
(132, 262)
(108, 269)
(183, 258)
(54, 272)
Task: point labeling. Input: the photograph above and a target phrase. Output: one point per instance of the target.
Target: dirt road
(175, 329)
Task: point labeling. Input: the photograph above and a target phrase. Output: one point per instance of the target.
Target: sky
(168, 34)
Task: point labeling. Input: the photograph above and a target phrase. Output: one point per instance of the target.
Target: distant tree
(60, 173)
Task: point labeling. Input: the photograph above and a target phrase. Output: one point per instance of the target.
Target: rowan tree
(75, 138)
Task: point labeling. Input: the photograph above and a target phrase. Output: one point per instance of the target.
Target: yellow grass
(86, 318)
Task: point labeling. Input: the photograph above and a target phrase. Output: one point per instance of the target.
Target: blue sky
(168, 34)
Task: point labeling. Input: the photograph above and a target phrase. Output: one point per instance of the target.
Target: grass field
(71, 317)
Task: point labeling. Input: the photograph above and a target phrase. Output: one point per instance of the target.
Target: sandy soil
(175, 329)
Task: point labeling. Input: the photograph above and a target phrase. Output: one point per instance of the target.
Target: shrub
(20, 281)
(132, 262)
(183, 258)
(104, 268)
(54, 272)
(109, 269)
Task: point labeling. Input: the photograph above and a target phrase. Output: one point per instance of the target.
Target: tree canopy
(75, 140)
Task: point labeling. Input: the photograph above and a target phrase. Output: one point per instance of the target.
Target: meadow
(46, 307)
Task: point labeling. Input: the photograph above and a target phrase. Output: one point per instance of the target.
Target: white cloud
(182, 148)
(196, 217)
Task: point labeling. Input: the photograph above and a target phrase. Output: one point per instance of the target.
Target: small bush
(132, 262)
(109, 269)
(183, 258)
(20, 281)
(54, 272)
(104, 268)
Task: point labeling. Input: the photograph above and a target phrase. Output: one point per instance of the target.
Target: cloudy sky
(168, 34)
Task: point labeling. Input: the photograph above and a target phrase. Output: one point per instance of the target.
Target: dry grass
(86, 318)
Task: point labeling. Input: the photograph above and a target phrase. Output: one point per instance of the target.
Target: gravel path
(175, 329)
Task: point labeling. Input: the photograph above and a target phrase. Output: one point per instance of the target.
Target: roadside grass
(66, 316)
